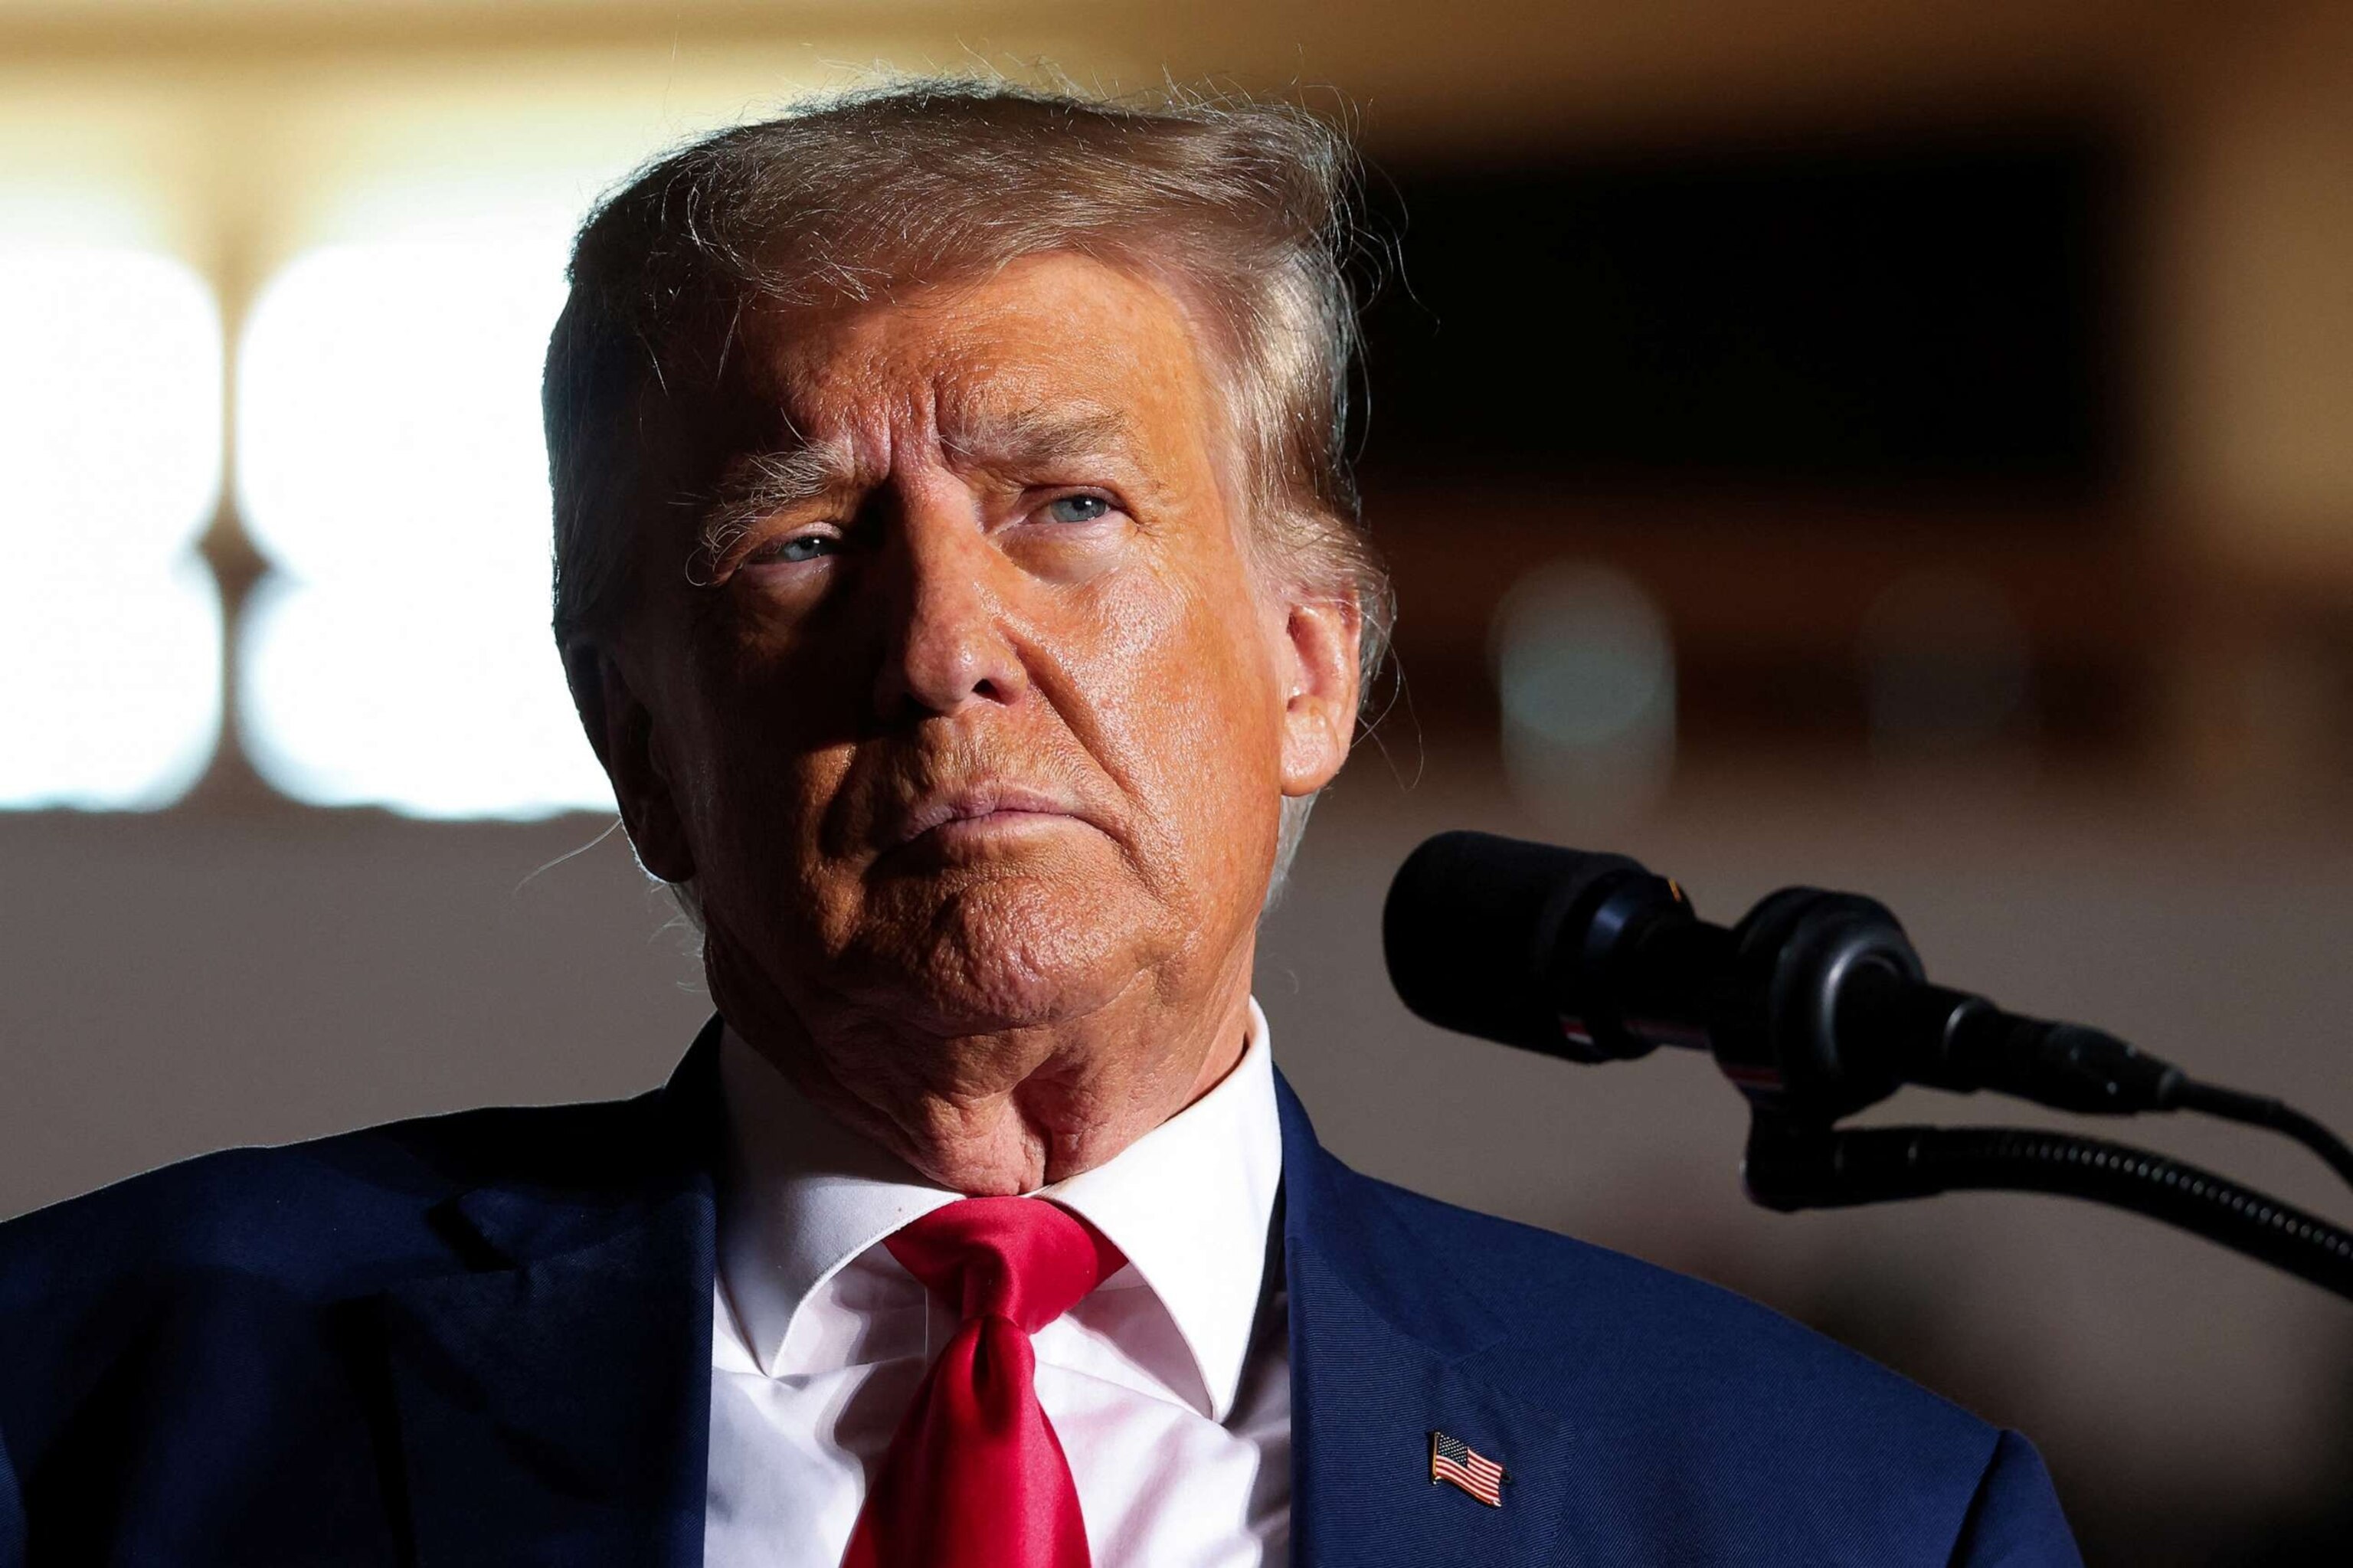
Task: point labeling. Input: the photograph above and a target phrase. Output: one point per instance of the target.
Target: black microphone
(1814, 1004)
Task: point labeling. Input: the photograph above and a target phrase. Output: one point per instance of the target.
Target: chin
(1010, 953)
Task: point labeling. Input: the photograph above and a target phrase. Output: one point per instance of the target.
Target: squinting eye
(1077, 509)
(800, 547)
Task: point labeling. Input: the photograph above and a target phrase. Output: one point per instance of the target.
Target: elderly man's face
(978, 712)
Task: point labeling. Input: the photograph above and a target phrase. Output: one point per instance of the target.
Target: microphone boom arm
(1793, 1165)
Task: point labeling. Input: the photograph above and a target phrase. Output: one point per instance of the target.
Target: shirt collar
(1189, 1203)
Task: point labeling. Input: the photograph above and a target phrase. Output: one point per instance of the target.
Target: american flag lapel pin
(1452, 1459)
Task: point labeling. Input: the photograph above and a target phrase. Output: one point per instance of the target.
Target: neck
(997, 1112)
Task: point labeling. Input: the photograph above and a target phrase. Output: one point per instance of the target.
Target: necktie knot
(1027, 1260)
(975, 1477)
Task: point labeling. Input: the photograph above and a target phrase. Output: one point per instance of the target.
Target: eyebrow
(1037, 437)
(758, 485)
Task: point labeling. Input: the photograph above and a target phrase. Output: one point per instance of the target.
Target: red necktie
(974, 1476)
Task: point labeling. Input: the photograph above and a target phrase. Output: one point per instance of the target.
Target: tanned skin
(969, 706)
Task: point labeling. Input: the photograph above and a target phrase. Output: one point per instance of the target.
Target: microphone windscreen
(1471, 929)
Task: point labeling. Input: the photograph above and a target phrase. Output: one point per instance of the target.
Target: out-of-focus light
(1946, 665)
(392, 466)
(110, 465)
(444, 704)
(388, 410)
(1585, 666)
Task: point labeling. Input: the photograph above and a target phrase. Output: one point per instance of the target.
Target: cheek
(770, 759)
(1190, 718)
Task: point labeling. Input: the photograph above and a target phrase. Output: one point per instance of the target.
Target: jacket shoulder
(223, 1281)
(307, 1215)
(1572, 1314)
(1750, 1437)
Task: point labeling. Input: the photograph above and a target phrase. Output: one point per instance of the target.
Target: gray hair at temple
(1241, 210)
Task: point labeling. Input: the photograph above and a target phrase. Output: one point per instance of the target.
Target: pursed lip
(980, 803)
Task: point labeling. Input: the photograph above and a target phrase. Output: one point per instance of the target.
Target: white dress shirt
(1169, 1387)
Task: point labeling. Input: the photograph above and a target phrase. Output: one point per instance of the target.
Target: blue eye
(800, 547)
(1077, 509)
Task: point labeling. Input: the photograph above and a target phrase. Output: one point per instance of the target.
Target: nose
(948, 645)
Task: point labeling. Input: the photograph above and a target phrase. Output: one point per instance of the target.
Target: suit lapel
(556, 1409)
(1374, 1369)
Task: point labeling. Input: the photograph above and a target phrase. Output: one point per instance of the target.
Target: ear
(1318, 664)
(621, 731)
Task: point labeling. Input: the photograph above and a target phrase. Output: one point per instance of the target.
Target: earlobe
(621, 731)
(1319, 715)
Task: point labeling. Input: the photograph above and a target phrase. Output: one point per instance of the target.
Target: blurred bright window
(391, 466)
(378, 248)
(110, 469)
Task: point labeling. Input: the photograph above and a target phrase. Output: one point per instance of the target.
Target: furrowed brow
(758, 485)
(1039, 438)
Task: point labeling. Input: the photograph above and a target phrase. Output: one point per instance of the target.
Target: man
(957, 577)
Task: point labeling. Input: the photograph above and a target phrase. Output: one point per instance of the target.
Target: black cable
(1801, 1166)
(2256, 1110)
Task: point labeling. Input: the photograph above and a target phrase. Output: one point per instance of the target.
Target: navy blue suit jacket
(486, 1339)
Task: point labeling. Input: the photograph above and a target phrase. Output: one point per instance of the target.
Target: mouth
(983, 811)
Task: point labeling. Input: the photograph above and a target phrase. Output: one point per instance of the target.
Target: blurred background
(1904, 446)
